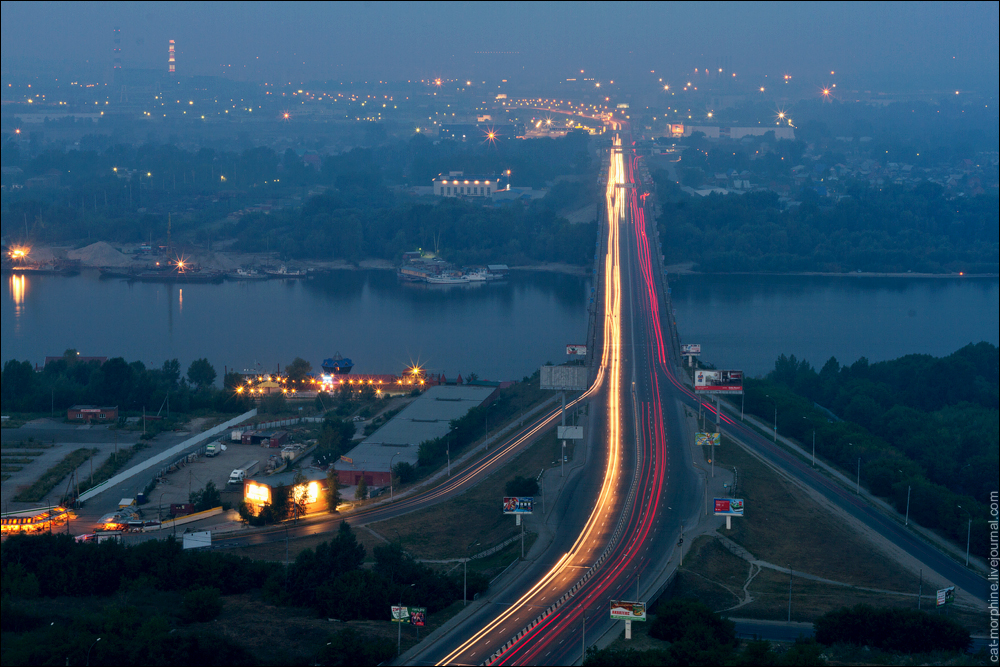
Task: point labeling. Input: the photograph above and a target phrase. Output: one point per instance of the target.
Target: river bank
(686, 269)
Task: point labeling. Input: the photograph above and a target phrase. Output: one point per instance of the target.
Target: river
(500, 331)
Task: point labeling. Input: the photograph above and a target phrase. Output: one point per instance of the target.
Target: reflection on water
(18, 285)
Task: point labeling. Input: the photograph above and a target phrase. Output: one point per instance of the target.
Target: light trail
(610, 368)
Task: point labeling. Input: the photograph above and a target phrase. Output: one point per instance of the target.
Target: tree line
(925, 428)
(130, 386)
(885, 230)
(330, 580)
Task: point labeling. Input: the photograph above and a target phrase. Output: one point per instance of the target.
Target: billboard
(518, 504)
(692, 348)
(564, 378)
(945, 596)
(204, 539)
(707, 439)
(677, 129)
(578, 350)
(718, 382)
(418, 616)
(622, 610)
(569, 432)
(400, 614)
(729, 507)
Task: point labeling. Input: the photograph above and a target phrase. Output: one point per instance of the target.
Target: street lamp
(390, 475)
(857, 490)
(775, 417)
(465, 574)
(814, 443)
(91, 649)
(908, 489)
(968, 534)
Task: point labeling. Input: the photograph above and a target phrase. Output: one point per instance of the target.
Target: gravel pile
(100, 254)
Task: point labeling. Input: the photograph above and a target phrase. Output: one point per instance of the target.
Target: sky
(926, 46)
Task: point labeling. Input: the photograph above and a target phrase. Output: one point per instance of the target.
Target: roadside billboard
(197, 540)
(577, 350)
(692, 348)
(677, 129)
(400, 614)
(729, 507)
(622, 610)
(707, 439)
(569, 432)
(718, 382)
(418, 616)
(945, 596)
(564, 378)
(518, 504)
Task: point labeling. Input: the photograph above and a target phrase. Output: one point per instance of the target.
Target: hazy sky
(926, 45)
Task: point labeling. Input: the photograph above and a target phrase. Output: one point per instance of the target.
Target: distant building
(90, 413)
(717, 132)
(457, 184)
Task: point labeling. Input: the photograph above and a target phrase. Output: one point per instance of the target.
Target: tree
(171, 372)
(362, 491)
(521, 486)
(332, 490)
(206, 499)
(405, 472)
(298, 369)
(201, 373)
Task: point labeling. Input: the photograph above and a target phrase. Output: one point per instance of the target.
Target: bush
(201, 604)
(522, 486)
(900, 630)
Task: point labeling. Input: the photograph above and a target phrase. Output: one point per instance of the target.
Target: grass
(786, 526)
(112, 465)
(444, 530)
(54, 475)
(16, 459)
(275, 551)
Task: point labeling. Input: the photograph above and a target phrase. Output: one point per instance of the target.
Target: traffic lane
(934, 559)
(574, 505)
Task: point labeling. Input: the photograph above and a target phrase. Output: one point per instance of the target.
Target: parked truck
(212, 449)
(244, 472)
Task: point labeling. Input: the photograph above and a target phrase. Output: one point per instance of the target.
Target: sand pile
(100, 254)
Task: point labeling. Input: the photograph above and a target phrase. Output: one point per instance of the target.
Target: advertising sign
(400, 614)
(707, 439)
(677, 130)
(578, 350)
(518, 504)
(418, 616)
(718, 382)
(256, 493)
(729, 506)
(622, 610)
(945, 596)
(564, 378)
(693, 348)
(569, 432)
(204, 539)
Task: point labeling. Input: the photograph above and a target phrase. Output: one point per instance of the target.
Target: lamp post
(814, 444)
(908, 489)
(465, 574)
(775, 417)
(968, 534)
(390, 475)
(857, 489)
(91, 649)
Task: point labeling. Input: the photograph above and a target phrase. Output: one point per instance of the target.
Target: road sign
(400, 614)
(569, 432)
(707, 439)
(418, 616)
(622, 610)
(577, 350)
(945, 596)
(729, 507)
(518, 504)
(564, 378)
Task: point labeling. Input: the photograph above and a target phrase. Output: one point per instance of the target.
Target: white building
(457, 184)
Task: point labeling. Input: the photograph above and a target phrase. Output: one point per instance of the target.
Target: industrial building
(457, 184)
(427, 418)
(717, 132)
(89, 413)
